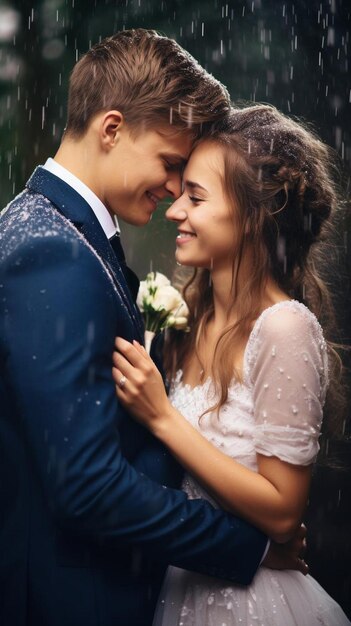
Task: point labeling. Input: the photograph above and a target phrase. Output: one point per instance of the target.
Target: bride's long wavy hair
(279, 183)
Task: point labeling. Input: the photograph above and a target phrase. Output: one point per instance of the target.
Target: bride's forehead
(207, 155)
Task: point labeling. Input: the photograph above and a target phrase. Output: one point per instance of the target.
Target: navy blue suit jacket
(90, 510)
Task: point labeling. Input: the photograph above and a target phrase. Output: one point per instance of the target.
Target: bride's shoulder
(288, 318)
(285, 327)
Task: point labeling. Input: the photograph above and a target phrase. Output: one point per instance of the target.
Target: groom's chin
(138, 220)
(144, 219)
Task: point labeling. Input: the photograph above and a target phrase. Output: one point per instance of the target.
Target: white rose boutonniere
(161, 306)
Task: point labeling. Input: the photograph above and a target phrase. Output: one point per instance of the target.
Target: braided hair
(279, 184)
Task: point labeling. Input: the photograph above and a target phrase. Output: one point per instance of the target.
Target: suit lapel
(70, 204)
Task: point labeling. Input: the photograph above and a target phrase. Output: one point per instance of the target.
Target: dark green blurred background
(294, 55)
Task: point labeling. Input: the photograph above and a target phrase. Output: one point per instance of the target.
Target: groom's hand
(288, 555)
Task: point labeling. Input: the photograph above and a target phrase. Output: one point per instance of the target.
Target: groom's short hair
(149, 78)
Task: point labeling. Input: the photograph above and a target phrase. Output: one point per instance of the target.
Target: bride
(248, 382)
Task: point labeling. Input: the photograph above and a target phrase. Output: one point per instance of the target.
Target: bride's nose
(176, 212)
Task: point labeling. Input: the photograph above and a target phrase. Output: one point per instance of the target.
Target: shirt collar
(109, 225)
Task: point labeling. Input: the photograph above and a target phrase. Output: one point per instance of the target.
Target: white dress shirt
(109, 225)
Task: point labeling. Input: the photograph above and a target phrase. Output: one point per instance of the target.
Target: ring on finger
(122, 381)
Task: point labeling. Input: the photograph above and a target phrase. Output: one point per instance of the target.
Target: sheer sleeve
(289, 377)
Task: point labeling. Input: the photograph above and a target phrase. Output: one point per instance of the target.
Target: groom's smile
(143, 169)
(154, 199)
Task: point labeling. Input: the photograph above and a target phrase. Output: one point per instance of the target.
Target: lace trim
(251, 348)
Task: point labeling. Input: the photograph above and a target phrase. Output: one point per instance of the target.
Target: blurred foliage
(294, 55)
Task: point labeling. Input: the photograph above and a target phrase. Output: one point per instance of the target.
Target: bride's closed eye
(195, 200)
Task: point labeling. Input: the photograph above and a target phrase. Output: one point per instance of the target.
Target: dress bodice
(277, 409)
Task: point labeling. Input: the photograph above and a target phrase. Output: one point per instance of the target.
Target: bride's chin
(180, 261)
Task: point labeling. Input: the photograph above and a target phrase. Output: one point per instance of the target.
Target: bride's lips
(184, 236)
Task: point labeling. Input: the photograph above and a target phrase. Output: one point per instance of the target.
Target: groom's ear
(111, 124)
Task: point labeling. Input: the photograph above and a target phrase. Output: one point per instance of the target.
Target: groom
(87, 524)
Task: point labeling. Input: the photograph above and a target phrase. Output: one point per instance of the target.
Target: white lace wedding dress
(277, 410)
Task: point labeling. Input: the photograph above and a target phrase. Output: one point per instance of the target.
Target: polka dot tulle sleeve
(289, 377)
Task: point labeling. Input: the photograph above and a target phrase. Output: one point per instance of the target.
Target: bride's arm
(272, 499)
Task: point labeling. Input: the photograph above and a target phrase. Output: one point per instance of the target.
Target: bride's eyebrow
(193, 185)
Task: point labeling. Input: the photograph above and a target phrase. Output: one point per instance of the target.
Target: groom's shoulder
(25, 204)
(29, 219)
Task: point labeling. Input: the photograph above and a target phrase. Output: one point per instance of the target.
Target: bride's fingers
(120, 361)
(300, 540)
(302, 531)
(140, 348)
(135, 356)
(124, 366)
(302, 567)
(119, 379)
(117, 359)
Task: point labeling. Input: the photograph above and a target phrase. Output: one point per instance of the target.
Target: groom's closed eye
(174, 162)
(175, 167)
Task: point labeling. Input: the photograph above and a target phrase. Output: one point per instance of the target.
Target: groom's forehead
(177, 144)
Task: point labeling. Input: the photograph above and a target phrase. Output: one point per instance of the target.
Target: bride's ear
(111, 125)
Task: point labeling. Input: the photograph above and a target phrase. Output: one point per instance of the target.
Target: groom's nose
(174, 184)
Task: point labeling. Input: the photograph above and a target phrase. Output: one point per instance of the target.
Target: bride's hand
(139, 384)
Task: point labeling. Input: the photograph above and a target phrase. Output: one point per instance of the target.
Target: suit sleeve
(59, 319)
